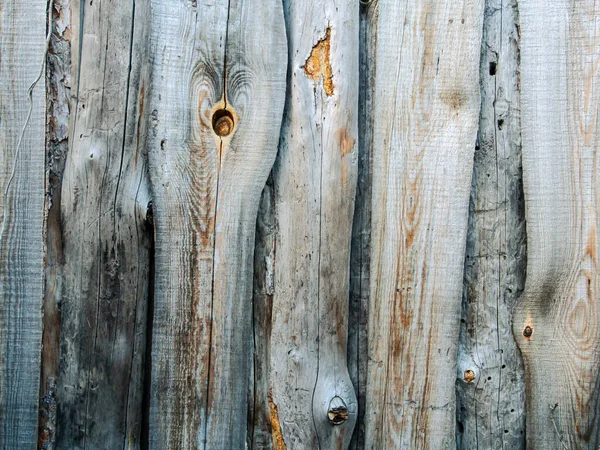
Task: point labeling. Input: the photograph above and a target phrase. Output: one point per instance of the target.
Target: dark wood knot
(223, 123)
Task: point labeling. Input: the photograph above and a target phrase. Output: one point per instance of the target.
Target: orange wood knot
(222, 122)
(469, 375)
(528, 331)
(338, 412)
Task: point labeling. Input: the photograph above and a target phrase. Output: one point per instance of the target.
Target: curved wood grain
(206, 188)
(560, 93)
(426, 107)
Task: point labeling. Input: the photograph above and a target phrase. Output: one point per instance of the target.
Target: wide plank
(557, 324)
(491, 385)
(426, 105)
(105, 236)
(218, 89)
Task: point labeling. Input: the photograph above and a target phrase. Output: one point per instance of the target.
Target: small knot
(469, 375)
(528, 331)
(338, 412)
(223, 122)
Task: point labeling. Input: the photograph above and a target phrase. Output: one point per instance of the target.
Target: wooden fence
(420, 270)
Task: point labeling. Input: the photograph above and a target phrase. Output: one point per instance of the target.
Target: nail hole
(222, 122)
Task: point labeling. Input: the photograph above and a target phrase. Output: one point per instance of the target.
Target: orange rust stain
(318, 64)
(345, 140)
(277, 435)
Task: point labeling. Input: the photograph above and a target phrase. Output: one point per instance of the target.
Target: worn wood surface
(314, 187)
(425, 122)
(490, 383)
(105, 237)
(22, 113)
(557, 320)
(206, 188)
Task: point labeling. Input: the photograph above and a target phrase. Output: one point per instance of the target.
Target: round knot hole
(222, 122)
(528, 331)
(337, 412)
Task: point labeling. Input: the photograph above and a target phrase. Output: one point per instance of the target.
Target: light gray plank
(106, 241)
(314, 182)
(426, 107)
(206, 189)
(560, 94)
(22, 46)
(490, 386)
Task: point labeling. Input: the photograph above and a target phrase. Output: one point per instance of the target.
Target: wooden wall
(280, 224)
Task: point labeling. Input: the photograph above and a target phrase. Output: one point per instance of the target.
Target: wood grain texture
(358, 318)
(22, 46)
(426, 107)
(106, 240)
(314, 181)
(560, 94)
(58, 98)
(490, 379)
(208, 57)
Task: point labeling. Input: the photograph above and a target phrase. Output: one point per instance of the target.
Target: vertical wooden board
(490, 384)
(361, 226)
(22, 46)
(426, 107)
(211, 74)
(556, 324)
(58, 98)
(314, 181)
(106, 240)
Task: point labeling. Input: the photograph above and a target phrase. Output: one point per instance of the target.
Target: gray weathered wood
(490, 386)
(22, 50)
(426, 106)
(105, 238)
(208, 57)
(314, 182)
(58, 98)
(557, 323)
(361, 225)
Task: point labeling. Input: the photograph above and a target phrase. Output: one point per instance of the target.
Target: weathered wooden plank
(217, 100)
(314, 182)
(22, 118)
(426, 105)
(490, 387)
(556, 324)
(105, 238)
(58, 98)
(361, 226)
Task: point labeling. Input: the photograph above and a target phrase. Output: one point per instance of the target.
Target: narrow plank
(22, 46)
(557, 322)
(216, 105)
(106, 239)
(490, 388)
(314, 182)
(58, 98)
(361, 226)
(426, 105)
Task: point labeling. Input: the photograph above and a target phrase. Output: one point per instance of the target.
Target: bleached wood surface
(314, 182)
(490, 386)
(208, 56)
(425, 113)
(22, 50)
(560, 56)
